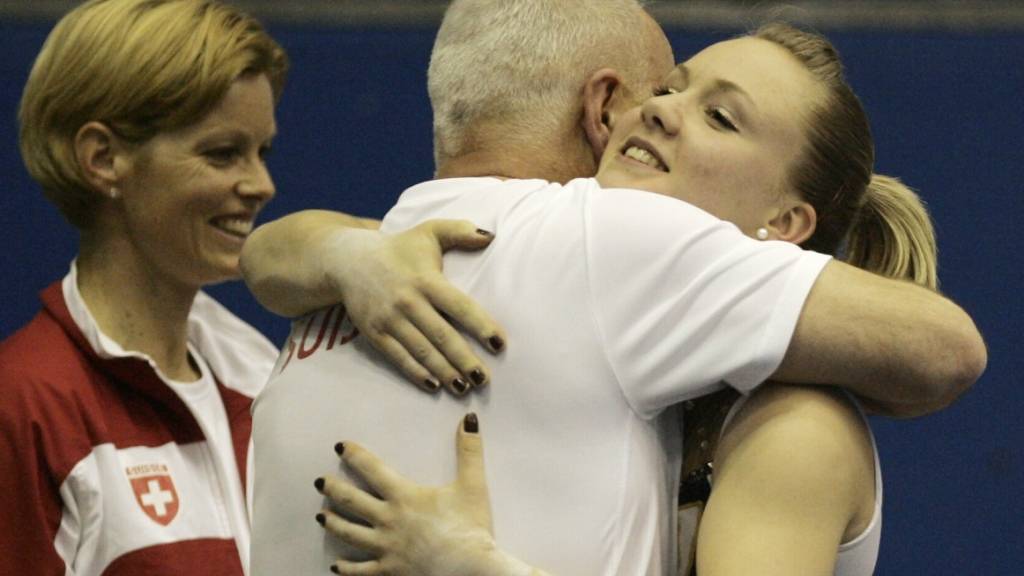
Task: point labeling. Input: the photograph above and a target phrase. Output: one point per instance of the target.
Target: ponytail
(892, 234)
(885, 226)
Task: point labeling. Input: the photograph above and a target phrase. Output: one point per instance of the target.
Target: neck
(555, 159)
(136, 305)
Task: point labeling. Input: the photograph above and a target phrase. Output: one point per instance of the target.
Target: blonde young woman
(124, 404)
(796, 482)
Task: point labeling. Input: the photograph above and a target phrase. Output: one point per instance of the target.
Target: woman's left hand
(414, 529)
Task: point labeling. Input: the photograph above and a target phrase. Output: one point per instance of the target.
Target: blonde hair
(140, 66)
(523, 62)
(893, 234)
(880, 223)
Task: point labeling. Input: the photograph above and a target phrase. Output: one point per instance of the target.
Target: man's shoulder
(498, 191)
(481, 200)
(581, 205)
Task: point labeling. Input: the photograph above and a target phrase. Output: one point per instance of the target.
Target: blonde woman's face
(190, 196)
(722, 133)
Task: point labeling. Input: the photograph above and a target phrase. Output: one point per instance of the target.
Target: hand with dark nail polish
(497, 344)
(478, 377)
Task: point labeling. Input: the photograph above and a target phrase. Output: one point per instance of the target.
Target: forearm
(902, 410)
(284, 261)
(904, 348)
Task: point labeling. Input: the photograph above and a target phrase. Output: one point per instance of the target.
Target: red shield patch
(157, 497)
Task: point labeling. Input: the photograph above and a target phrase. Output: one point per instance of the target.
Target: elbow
(964, 359)
(971, 362)
(246, 266)
(258, 276)
(941, 381)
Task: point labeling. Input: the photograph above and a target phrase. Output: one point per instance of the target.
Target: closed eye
(223, 155)
(663, 91)
(719, 117)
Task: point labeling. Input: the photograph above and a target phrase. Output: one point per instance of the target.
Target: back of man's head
(513, 70)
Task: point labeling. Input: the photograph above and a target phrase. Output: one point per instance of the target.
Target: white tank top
(857, 557)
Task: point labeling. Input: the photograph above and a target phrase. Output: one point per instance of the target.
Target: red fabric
(239, 411)
(205, 557)
(58, 400)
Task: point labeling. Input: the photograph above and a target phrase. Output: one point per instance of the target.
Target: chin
(612, 179)
(219, 272)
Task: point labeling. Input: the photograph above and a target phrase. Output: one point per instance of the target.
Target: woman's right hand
(395, 293)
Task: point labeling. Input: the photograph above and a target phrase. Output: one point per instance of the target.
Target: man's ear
(600, 92)
(796, 223)
(96, 147)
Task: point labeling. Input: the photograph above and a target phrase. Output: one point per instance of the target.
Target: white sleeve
(685, 301)
(69, 534)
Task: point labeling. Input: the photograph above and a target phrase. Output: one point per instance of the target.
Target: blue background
(946, 111)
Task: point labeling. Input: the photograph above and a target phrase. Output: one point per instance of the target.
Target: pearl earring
(762, 233)
(114, 193)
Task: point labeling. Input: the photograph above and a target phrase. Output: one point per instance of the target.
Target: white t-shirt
(205, 403)
(618, 304)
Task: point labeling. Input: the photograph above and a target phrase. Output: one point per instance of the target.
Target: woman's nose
(257, 183)
(658, 113)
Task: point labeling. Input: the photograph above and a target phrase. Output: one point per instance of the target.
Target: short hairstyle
(523, 62)
(140, 66)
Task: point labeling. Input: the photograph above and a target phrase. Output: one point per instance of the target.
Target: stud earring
(114, 193)
(762, 233)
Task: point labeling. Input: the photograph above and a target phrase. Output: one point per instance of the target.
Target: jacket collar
(134, 371)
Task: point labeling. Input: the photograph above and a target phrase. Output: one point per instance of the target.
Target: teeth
(645, 157)
(234, 225)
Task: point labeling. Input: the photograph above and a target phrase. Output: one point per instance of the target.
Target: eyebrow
(233, 134)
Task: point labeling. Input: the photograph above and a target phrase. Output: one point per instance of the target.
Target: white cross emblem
(157, 497)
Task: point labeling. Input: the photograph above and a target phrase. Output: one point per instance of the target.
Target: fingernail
(477, 376)
(432, 384)
(460, 385)
(483, 232)
(496, 343)
(339, 448)
(470, 423)
(319, 485)
(335, 569)
(321, 519)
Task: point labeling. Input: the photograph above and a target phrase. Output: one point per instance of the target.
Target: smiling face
(722, 134)
(190, 196)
